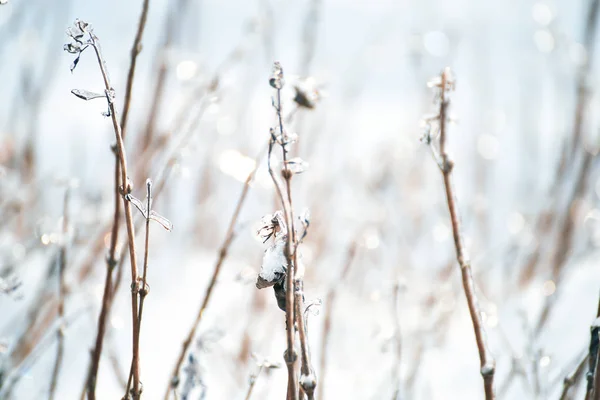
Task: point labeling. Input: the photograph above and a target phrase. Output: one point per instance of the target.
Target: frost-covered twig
(572, 379)
(289, 167)
(223, 251)
(329, 302)
(398, 344)
(77, 33)
(11, 379)
(260, 364)
(284, 195)
(593, 377)
(583, 91)
(444, 84)
(110, 259)
(62, 292)
(149, 215)
(308, 379)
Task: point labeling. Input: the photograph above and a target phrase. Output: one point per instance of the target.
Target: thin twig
(253, 380)
(18, 372)
(125, 189)
(308, 380)
(172, 23)
(62, 265)
(143, 290)
(583, 92)
(111, 262)
(329, 303)
(223, 252)
(285, 195)
(574, 377)
(398, 344)
(487, 363)
(593, 377)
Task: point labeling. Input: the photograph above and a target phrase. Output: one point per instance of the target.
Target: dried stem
(564, 240)
(125, 189)
(574, 377)
(253, 380)
(487, 363)
(111, 262)
(223, 252)
(398, 344)
(62, 289)
(12, 378)
(593, 377)
(172, 23)
(329, 303)
(143, 290)
(583, 76)
(285, 195)
(308, 380)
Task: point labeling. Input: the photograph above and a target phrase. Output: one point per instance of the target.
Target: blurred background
(379, 254)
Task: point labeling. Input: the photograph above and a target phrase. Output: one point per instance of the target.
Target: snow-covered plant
(280, 267)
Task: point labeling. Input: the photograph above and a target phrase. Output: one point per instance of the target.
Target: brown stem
(487, 363)
(308, 380)
(582, 84)
(290, 251)
(571, 379)
(223, 252)
(329, 303)
(253, 380)
(111, 261)
(564, 240)
(125, 189)
(398, 344)
(143, 289)
(62, 265)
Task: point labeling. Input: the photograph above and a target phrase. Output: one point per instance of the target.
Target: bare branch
(229, 236)
(443, 85)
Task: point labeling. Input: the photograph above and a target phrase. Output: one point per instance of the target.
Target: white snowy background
(370, 180)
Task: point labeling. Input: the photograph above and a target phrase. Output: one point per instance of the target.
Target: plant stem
(329, 303)
(571, 379)
(290, 250)
(111, 261)
(125, 189)
(308, 380)
(487, 363)
(143, 291)
(62, 265)
(223, 252)
(253, 380)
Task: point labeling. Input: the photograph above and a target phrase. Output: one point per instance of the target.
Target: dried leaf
(137, 203)
(161, 220)
(87, 95)
(297, 165)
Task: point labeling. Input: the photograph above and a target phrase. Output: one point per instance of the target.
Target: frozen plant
(281, 267)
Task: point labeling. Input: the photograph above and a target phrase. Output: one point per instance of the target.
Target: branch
(446, 83)
(81, 29)
(62, 265)
(593, 377)
(290, 254)
(571, 379)
(149, 214)
(111, 262)
(329, 303)
(223, 252)
(308, 379)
